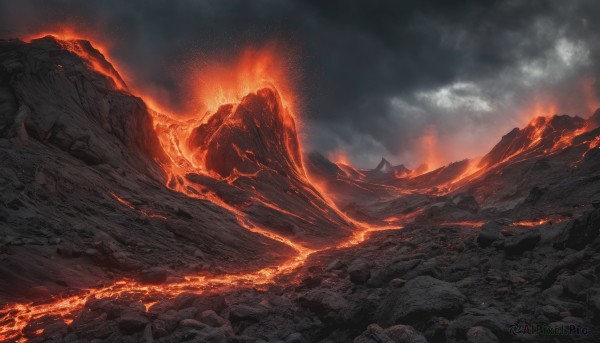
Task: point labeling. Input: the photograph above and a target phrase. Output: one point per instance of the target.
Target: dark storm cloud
(374, 76)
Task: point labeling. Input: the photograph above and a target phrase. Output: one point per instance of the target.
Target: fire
(464, 223)
(429, 152)
(145, 213)
(223, 84)
(542, 221)
(219, 83)
(338, 156)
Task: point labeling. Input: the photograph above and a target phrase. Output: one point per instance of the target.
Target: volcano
(121, 222)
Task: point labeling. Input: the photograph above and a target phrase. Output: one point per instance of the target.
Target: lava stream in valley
(174, 134)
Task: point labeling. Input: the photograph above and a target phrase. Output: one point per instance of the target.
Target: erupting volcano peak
(256, 133)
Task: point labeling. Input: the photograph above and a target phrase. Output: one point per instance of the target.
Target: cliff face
(55, 96)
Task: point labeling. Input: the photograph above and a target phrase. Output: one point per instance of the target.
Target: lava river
(18, 320)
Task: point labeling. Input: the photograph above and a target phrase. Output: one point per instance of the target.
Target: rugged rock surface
(84, 201)
(82, 196)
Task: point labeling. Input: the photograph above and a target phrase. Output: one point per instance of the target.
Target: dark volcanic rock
(154, 276)
(490, 232)
(394, 334)
(580, 232)
(490, 318)
(420, 299)
(523, 242)
(396, 269)
(258, 138)
(480, 334)
(132, 322)
(328, 304)
(359, 271)
(575, 285)
(85, 171)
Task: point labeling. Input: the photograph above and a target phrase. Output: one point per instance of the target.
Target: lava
(428, 149)
(252, 73)
(464, 223)
(538, 222)
(221, 89)
(145, 213)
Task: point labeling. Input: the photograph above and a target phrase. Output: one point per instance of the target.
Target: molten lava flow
(532, 223)
(464, 223)
(253, 72)
(145, 213)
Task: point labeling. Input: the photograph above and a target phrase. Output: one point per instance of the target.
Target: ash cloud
(373, 78)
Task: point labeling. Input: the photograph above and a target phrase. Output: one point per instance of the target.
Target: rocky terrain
(121, 224)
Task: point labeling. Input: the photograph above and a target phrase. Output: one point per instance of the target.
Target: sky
(412, 81)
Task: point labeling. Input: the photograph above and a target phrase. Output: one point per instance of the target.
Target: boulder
(394, 334)
(526, 241)
(420, 299)
(153, 276)
(579, 232)
(359, 271)
(131, 322)
(389, 272)
(404, 334)
(373, 334)
(326, 304)
(211, 318)
(576, 285)
(480, 334)
(241, 316)
(490, 318)
(490, 232)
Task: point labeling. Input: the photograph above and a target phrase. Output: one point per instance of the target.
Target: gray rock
(359, 271)
(327, 304)
(580, 232)
(595, 304)
(404, 334)
(420, 299)
(154, 276)
(550, 312)
(373, 334)
(241, 316)
(480, 334)
(576, 285)
(334, 265)
(524, 242)
(192, 323)
(295, 337)
(394, 334)
(490, 232)
(396, 269)
(551, 270)
(131, 322)
(494, 320)
(38, 293)
(147, 336)
(211, 318)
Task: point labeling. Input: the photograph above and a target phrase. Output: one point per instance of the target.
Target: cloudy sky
(412, 81)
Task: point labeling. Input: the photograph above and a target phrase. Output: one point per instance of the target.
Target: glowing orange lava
(255, 70)
(464, 223)
(531, 223)
(145, 213)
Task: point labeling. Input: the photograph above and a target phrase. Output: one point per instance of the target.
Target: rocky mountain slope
(121, 224)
